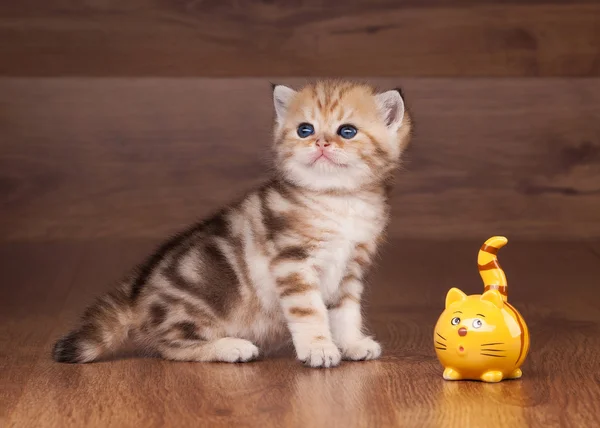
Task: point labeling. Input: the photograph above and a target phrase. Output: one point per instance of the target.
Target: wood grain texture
(554, 286)
(87, 158)
(299, 38)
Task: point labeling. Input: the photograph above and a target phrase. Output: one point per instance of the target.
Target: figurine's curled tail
(491, 273)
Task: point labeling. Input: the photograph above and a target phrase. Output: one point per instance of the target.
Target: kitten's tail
(103, 329)
(491, 273)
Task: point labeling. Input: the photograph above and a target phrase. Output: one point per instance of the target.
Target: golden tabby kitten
(289, 257)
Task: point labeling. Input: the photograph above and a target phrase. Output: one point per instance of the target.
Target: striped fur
(288, 258)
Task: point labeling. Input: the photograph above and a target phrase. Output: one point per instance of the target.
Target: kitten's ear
(454, 295)
(391, 107)
(493, 296)
(282, 95)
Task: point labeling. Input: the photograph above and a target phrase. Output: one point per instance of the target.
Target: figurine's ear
(493, 296)
(454, 295)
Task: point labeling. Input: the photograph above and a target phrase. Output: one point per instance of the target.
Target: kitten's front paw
(320, 354)
(364, 349)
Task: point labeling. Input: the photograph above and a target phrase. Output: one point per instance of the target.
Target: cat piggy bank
(482, 336)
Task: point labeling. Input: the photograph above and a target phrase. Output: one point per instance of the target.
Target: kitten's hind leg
(226, 349)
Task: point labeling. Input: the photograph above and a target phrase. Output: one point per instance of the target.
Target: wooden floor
(556, 285)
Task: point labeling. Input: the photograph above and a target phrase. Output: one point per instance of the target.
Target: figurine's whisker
(439, 347)
(490, 344)
(492, 355)
(440, 335)
(440, 343)
(493, 350)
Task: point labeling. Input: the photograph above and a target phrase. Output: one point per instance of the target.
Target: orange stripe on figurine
(482, 336)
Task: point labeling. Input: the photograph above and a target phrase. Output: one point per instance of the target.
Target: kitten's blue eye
(305, 129)
(455, 321)
(347, 131)
(477, 323)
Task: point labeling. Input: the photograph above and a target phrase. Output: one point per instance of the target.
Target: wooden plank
(552, 285)
(29, 304)
(301, 38)
(45, 286)
(86, 158)
(594, 247)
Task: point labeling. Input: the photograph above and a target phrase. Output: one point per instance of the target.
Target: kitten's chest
(353, 222)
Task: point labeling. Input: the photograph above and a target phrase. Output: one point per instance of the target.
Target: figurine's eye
(455, 321)
(477, 323)
(305, 129)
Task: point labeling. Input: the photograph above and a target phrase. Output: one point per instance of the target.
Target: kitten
(289, 257)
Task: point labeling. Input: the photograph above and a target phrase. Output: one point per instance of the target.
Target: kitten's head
(338, 135)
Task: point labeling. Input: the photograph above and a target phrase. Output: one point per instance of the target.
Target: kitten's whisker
(490, 344)
(492, 355)
(439, 347)
(441, 336)
(493, 350)
(440, 343)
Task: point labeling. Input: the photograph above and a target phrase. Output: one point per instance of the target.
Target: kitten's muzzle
(462, 331)
(322, 143)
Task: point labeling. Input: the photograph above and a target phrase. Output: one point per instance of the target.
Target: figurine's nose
(462, 331)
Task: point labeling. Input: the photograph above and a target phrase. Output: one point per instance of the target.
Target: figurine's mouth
(461, 350)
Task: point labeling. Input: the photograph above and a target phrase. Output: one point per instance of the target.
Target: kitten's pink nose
(462, 331)
(322, 143)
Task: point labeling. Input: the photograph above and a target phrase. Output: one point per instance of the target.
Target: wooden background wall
(133, 118)
(300, 38)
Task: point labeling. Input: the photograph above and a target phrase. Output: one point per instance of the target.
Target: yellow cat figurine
(482, 336)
